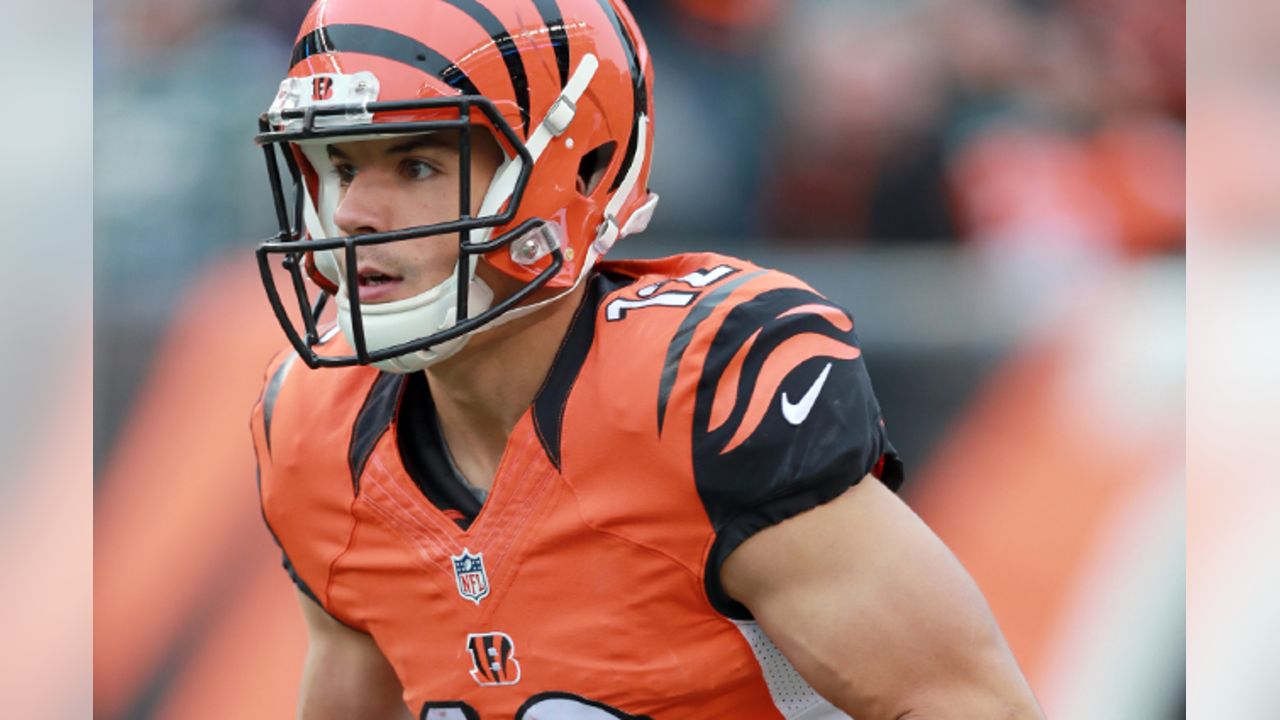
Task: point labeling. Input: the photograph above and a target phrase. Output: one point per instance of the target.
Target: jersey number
(543, 706)
(649, 296)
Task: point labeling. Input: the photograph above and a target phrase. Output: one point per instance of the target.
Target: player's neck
(481, 393)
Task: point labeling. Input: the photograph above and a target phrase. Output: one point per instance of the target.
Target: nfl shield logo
(468, 569)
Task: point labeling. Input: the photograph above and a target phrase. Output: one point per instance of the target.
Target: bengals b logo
(321, 88)
(493, 659)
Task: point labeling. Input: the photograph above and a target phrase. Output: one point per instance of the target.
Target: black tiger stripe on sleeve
(784, 419)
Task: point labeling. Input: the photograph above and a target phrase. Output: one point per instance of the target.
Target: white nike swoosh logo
(795, 413)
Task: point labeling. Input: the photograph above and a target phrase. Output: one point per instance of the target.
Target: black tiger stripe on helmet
(553, 18)
(501, 36)
(640, 96)
(380, 42)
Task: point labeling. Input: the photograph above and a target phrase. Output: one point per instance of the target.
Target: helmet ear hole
(592, 168)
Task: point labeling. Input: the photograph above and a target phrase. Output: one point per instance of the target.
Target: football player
(516, 481)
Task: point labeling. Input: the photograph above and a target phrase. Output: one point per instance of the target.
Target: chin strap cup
(639, 220)
(610, 232)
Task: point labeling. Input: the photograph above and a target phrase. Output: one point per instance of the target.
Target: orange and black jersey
(694, 401)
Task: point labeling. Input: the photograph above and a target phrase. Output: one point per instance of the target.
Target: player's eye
(346, 172)
(416, 169)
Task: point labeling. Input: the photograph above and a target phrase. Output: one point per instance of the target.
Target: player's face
(400, 183)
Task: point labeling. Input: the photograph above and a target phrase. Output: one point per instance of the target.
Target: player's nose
(364, 207)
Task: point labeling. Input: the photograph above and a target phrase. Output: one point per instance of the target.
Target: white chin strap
(389, 324)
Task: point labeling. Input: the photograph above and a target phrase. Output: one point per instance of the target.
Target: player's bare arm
(877, 614)
(345, 675)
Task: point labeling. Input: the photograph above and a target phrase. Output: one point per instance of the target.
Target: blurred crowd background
(995, 188)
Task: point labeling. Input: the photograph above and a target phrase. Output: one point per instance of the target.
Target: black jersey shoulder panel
(272, 393)
(788, 444)
(374, 418)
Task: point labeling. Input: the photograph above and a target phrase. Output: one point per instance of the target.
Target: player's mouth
(377, 285)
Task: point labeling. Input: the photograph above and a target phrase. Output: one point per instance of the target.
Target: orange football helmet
(564, 86)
